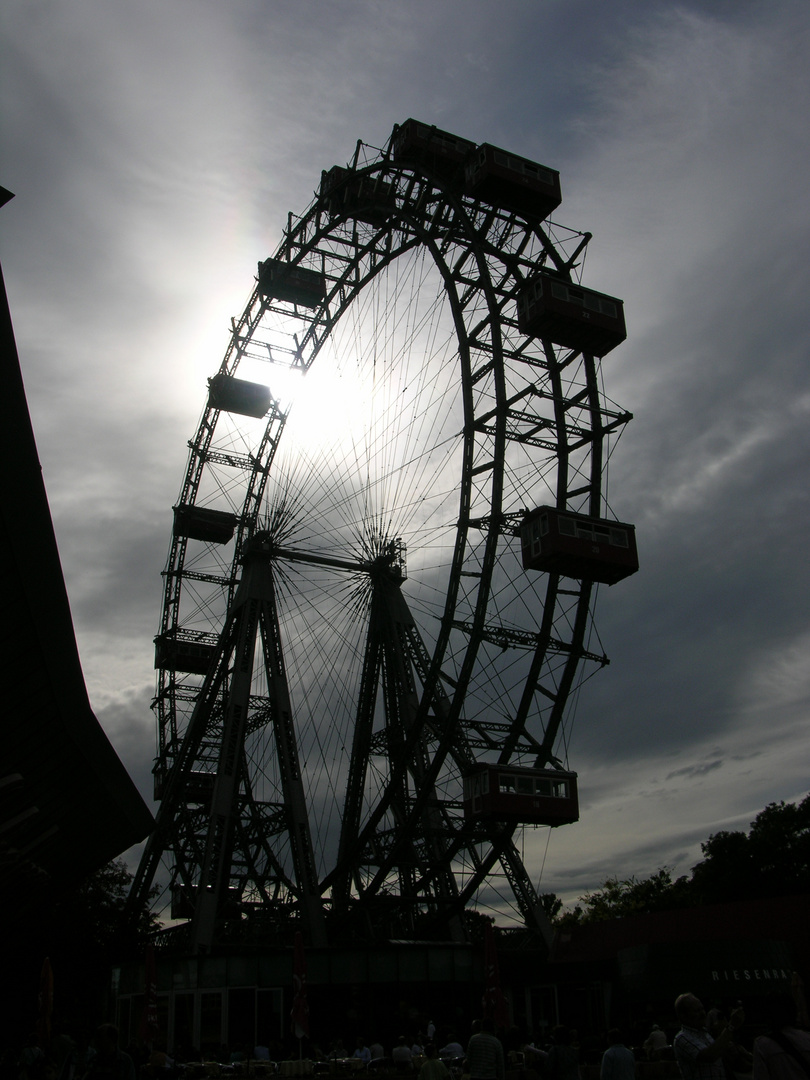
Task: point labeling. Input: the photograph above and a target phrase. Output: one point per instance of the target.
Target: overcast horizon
(155, 152)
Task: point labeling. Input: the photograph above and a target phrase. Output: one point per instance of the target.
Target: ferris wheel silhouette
(378, 597)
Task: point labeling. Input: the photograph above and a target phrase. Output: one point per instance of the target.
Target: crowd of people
(709, 1045)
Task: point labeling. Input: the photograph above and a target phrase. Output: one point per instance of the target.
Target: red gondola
(517, 794)
(577, 545)
(184, 901)
(512, 182)
(430, 146)
(565, 313)
(183, 654)
(365, 198)
(199, 788)
(280, 280)
(200, 523)
(238, 396)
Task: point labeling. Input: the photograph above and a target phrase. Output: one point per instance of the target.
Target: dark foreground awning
(67, 804)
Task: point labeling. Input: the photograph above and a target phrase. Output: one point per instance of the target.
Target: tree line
(772, 859)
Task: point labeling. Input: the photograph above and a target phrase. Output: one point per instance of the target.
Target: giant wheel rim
(503, 650)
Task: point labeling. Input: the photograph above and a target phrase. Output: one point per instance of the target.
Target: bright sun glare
(320, 403)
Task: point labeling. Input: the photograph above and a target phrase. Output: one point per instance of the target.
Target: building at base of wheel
(244, 996)
(621, 972)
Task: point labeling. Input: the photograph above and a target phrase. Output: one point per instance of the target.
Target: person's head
(614, 1036)
(488, 1024)
(560, 1034)
(689, 1010)
(431, 1050)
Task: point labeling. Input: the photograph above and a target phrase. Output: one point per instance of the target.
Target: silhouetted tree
(617, 899)
(773, 859)
(551, 904)
(82, 931)
(92, 914)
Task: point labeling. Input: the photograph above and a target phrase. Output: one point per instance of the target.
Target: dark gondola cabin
(438, 150)
(364, 198)
(200, 523)
(184, 901)
(512, 182)
(280, 280)
(238, 396)
(517, 794)
(199, 788)
(565, 313)
(578, 546)
(183, 654)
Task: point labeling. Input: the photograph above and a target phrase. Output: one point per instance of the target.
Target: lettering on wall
(751, 975)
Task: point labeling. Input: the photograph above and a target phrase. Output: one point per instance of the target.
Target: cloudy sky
(155, 151)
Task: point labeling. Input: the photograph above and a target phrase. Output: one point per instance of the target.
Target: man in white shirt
(698, 1055)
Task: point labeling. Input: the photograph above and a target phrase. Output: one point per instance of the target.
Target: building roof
(779, 917)
(67, 804)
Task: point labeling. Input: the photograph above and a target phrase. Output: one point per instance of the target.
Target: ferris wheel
(378, 597)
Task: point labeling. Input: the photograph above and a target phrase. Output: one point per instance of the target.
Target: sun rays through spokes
(370, 549)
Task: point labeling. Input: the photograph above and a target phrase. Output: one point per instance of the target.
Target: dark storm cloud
(701, 225)
(126, 716)
(695, 770)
